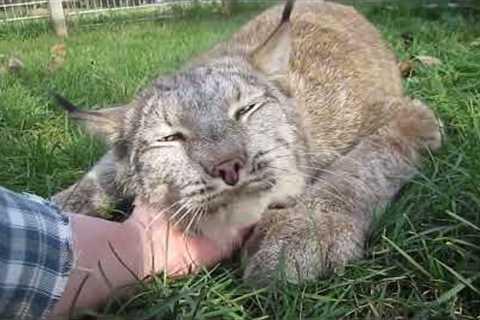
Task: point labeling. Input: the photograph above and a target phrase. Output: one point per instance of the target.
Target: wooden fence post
(227, 7)
(57, 16)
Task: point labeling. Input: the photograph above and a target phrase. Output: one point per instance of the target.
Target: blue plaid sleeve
(35, 255)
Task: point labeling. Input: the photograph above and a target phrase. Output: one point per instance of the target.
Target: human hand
(145, 244)
(168, 249)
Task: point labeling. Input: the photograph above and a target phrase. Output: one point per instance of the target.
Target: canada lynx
(298, 123)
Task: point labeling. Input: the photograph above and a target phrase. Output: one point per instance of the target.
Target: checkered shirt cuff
(36, 255)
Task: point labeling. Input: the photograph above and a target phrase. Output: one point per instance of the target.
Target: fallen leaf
(407, 38)
(58, 54)
(14, 64)
(428, 60)
(406, 67)
(475, 43)
(58, 49)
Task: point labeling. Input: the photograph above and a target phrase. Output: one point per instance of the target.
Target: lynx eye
(243, 111)
(173, 137)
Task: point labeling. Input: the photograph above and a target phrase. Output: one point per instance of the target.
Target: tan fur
(329, 225)
(341, 72)
(347, 87)
(343, 133)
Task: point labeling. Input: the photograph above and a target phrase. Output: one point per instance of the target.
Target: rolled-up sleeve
(35, 255)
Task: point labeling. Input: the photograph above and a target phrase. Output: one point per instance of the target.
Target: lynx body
(298, 124)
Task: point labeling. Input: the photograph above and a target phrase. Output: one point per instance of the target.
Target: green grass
(424, 255)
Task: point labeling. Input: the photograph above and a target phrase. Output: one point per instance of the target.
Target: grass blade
(408, 257)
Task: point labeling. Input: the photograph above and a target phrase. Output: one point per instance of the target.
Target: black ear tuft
(272, 57)
(287, 11)
(65, 103)
(105, 123)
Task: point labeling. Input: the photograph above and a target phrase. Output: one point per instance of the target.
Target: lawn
(423, 258)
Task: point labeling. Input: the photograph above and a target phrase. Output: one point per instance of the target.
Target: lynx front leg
(300, 245)
(96, 193)
(329, 227)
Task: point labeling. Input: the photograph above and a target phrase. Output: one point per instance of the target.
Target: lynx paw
(281, 260)
(432, 133)
(298, 248)
(419, 125)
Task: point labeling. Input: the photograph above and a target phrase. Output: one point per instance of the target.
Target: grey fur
(200, 103)
(330, 223)
(319, 95)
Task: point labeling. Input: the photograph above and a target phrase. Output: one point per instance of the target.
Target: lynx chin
(297, 124)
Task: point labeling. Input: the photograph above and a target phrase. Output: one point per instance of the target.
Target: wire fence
(14, 10)
(18, 10)
(60, 11)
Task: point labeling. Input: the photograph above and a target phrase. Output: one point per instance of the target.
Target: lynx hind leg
(417, 124)
(328, 229)
(94, 194)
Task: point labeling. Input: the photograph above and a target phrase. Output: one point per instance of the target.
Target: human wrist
(106, 258)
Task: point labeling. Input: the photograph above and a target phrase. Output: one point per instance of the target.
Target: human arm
(46, 255)
(111, 255)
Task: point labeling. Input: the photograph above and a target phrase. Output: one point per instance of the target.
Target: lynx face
(219, 142)
(221, 139)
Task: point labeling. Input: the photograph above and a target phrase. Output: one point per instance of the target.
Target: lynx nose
(229, 171)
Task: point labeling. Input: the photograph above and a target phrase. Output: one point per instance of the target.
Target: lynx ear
(105, 123)
(272, 57)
